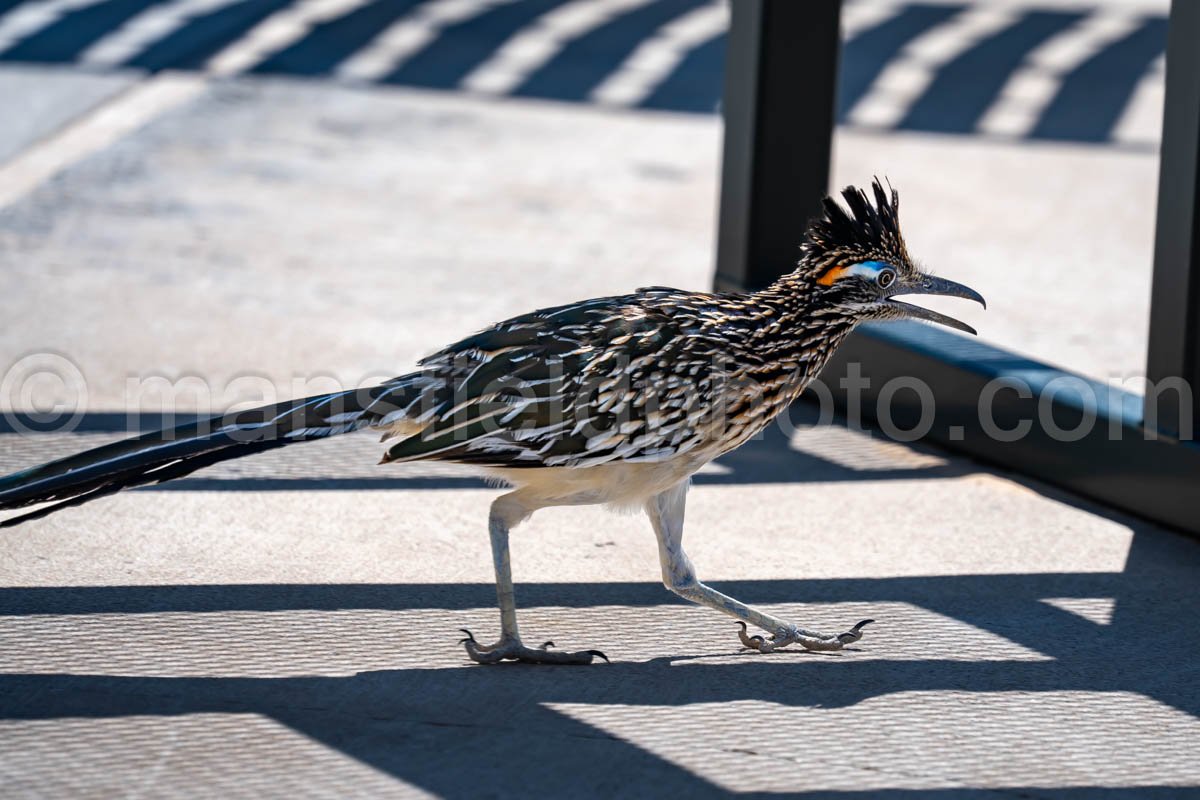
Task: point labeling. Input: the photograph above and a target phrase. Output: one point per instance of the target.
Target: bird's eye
(885, 278)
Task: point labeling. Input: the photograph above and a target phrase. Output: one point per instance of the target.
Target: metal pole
(779, 107)
(1175, 291)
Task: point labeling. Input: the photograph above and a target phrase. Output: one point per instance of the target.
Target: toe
(513, 650)
(755, 642)
(541, 656)
(479, 653)
(480, 656)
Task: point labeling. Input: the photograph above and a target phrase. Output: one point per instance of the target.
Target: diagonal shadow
(448, 731)
(972, 591)
(1085, 107)
(512, 733)
(423, 725)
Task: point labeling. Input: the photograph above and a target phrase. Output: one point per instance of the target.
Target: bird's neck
(805, 313)
(782, 336)
(798, 328)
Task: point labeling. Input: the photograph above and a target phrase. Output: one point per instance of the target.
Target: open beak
(931, 285)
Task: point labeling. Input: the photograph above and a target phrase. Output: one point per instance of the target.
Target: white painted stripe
(95, 131)
(1141, 122)
(532, 47)
(150, 26)
(29, 18)
(1032, 86)
(407, 35)
(858, 16)
(278, 32)
(655, 58)
(909, 75)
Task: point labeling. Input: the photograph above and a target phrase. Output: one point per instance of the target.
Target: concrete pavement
(287, 625)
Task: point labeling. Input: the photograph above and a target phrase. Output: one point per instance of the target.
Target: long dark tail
(168, 454)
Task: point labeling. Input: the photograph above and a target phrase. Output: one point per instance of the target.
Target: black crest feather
(860, 230)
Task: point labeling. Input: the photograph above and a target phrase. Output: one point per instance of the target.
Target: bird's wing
(577, 385)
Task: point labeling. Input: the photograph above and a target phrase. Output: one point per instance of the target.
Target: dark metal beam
(996, 406)
(1175, 293)
(1064, 429)
(779, 106)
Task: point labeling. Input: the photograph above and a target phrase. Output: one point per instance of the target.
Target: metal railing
(1129, 451)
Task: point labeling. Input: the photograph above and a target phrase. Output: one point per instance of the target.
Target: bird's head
(854, 259)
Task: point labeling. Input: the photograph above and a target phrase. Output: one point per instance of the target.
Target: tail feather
(169, 454)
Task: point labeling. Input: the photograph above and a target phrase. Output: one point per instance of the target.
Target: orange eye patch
(831, 275)
(867, 269)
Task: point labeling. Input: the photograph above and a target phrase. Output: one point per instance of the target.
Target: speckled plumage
(657, 375)
(651, 376)
(614, 400)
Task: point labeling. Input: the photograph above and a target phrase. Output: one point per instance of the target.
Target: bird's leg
(666, 512)
(507, 512)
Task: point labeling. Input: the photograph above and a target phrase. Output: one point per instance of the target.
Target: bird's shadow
(453, 730)
(512, 729)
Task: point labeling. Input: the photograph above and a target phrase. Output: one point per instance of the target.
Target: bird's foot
(514, 650)
(806, 639)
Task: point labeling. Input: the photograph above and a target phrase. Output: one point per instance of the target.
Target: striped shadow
(443, 42)
(966, 86)
(693, 41)
(330, 43)
(696, 82)
(8, 5)
(142, 31)
(71, 34)
(866, 54)
(586, 61)
(1093, 95)
(191, 46)
(445, 61)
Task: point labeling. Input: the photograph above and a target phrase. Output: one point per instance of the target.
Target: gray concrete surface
(444, 191)
(39, 101)
(287, 625)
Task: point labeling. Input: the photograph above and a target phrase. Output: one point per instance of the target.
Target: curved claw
(855, 633)
(513, 650)
(753, 642)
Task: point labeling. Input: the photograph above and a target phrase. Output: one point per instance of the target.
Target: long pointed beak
(931, 285)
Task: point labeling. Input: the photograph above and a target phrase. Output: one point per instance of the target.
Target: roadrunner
(615, 400)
